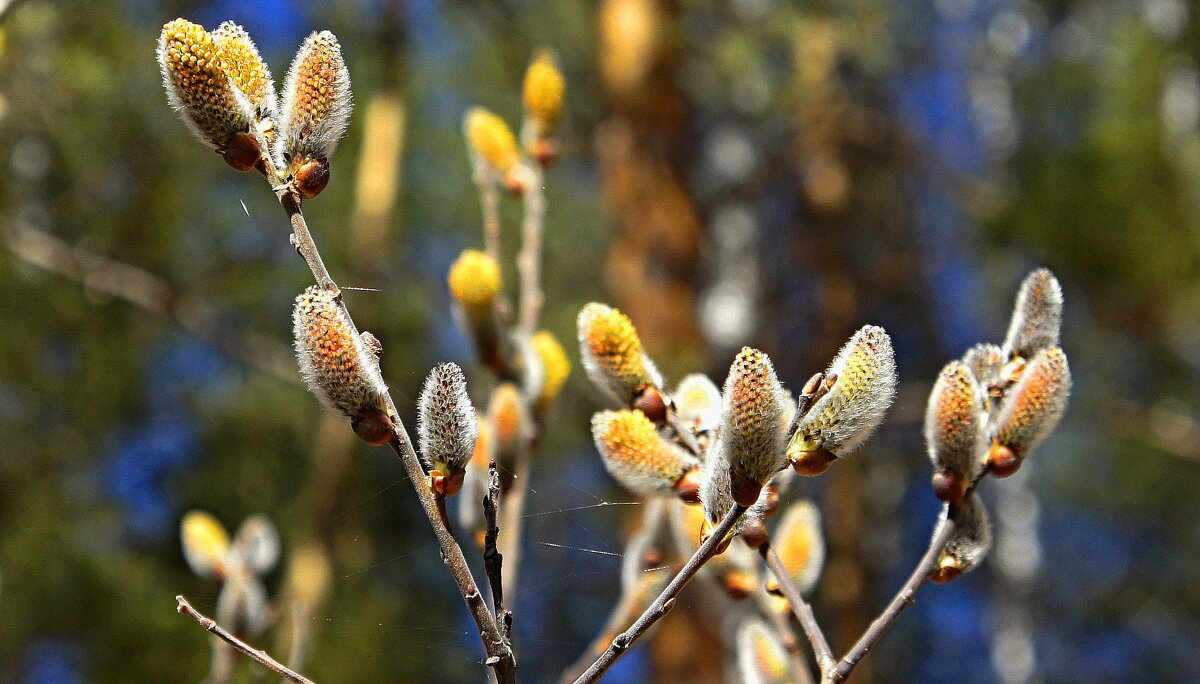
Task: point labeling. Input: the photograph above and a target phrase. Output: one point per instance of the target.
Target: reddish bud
(745, 490)
(948, 486)
(945, 573)
(1003, 461)
(311, 178)
(242, 152)
(688, 486)
(446, 485)
(812, 463)
(650, 401)
(755, 534)
(374, 427)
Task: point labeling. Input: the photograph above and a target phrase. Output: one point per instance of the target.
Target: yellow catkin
(612, 352)
(490, 138)
(205, 542)
(635, 454)
(800, 544)
(197, 86)
(555, 365)
(543, 92)
(510, 422)
(309, 574)
(757, 412)
(474, 279)
(241, 61)
(762, 659)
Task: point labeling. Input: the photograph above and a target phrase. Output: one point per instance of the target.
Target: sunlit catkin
(613, 356)
(636, 455)
(256, 545)
(336, 364)
(984, 361)
(1037, 315)
(761, 657)
(315, 112)
(446, 427)
(542, 93)
(556, 366)
(511, 426)
(969, 545)
(863, 385)
(491, 140)
(204, 95)
(246, 68)
(1031, 410)
(954, 431)
(205, 543)
(755, 415)
(800, 544)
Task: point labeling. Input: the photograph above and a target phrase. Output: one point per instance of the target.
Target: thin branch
(512, 511)
(903, 599)
(685, 435)
(626, 605)
(261, 657)
(489, 204)
(801, 608)
(529, 260)
(493, 560)
(787, 636)
(665, 601)
(500, 656)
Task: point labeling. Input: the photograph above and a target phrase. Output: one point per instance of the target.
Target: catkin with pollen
(336, 364)
(636, 455)
(316, 104)
(612, 354)
(197, 86)
(954, 423)
(840, 421)
(446, 424)
(1035, 403)
(246, 68)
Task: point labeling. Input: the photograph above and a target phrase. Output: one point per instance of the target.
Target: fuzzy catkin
(761, 657)
(197, 86)
(316, 102)
(755, 415)
(246, 68)
(969, 544)
(846, 416)
(800, 544)
(1037, 315)
(612, 353)
(954, 422)
(1036, 403)
(698, 402)
(985, 361)
(336, 364)
(446, 424)
(636, 455)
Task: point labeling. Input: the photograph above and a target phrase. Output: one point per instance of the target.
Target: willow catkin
(969, 544)
(256, 544)
(800, 545)
(542, 93)
(205, 543)
(954, 424)
(761, 657)
(612, 354)
(490, 140)
(246, 68)
(446, 427)
(315, 112)
(698, 403)
(1037, 315)
(864, 385)
(336, 364)
(1035, 404)
(636, 455)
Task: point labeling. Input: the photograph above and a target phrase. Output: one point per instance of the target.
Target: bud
(556, 367)
(490, 140)
(246, 68)
(612, 354)
(475, 283)
(205, 543)
(762, 659)
(954, 430)
(511, 425)
(984, 361)
(1037, 315)
(756, 413)
(315, 112)
(256, 545)
(800, 545)
(446, 427)
(337, 366)
(636, 455)
(698, 403)
(203, 94)
(968, 546)
(542, 93)
(1035, 403)
(863, 386)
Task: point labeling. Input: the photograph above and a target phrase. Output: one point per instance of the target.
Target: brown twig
(493, 560)
(903, 599)
(801, 609)
(258, 656)
(665, 601)
(500, 656)
(512, 512)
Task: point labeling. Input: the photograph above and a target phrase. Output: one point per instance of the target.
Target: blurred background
(745, 172)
